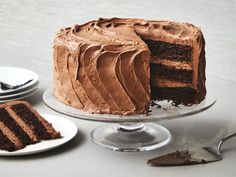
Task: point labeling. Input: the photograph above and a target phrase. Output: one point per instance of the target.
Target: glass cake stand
(131, 132)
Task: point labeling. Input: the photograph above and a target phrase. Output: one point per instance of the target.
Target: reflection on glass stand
(131, 136)
(133, 132)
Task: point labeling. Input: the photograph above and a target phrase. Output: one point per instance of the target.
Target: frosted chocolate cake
(117, 66)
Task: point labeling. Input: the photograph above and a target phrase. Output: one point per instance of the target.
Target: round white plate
(67, 128)
(18, 97)
(16, 76)
(25, 91)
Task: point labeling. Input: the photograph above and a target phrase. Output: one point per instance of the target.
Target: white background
(27, 29)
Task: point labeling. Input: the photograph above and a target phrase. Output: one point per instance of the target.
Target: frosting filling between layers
(171, 63)
(171, 73)
(160, 82)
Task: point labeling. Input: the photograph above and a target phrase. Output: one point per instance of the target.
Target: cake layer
(6, 144)
(163, 49)
(179, 95)
(171, 73)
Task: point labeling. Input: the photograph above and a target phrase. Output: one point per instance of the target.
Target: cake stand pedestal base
(131, 136)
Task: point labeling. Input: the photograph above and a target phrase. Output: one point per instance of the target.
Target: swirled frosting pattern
(103, 66)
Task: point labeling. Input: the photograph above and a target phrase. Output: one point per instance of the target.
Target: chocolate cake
(21, 125)
(117, 66)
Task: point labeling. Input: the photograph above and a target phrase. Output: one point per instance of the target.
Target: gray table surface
(27, 29)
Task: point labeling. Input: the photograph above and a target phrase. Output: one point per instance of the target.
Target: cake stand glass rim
(164, 111)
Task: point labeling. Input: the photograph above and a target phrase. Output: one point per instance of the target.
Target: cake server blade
(191, 157)
(185, 157)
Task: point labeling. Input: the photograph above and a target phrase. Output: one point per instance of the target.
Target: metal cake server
(191, 157)
(5, 86)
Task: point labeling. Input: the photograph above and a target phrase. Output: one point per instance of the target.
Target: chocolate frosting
(103, 66)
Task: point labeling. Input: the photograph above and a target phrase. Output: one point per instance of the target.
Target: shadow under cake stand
(131, 132)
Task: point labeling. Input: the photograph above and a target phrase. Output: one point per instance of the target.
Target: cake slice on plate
(21, 125)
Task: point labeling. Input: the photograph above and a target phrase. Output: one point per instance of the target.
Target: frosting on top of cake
(119, 30)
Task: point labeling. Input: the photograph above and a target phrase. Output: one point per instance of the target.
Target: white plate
(18, 97)
(25, 91)
(67, 128)
(16, 76)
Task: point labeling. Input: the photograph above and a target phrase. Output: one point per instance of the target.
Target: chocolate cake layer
(179, 95)
(171, 63)
(30, 118)
(6, 144)
(162, 49)
(6, 119)
(171, 73)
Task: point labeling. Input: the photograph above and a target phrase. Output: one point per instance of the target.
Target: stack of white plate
(17, 76)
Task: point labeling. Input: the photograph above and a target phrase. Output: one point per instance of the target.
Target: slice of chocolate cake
(21, 125)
